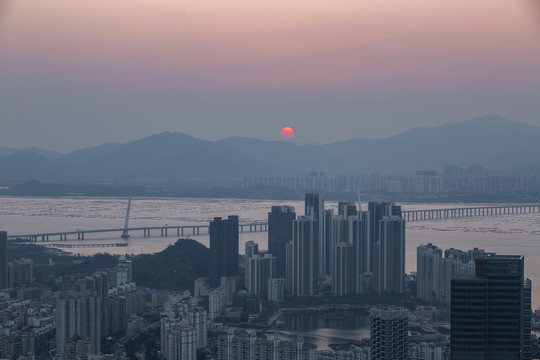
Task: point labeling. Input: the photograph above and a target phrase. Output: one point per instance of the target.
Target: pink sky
(370, 48)
(280, 45)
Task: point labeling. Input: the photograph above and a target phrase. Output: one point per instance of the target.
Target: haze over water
(508, 234)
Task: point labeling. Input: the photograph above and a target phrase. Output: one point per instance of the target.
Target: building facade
(389, 333)
(279, 234)
(389, 256)
(223, 248)
(3, 261)
(428, 263)
(490, 311)
(303, 269)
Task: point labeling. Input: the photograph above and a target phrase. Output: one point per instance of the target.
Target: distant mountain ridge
(491, 141)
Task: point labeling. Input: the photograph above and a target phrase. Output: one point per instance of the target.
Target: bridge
(467, 212)
(261, 226)
(163, 231)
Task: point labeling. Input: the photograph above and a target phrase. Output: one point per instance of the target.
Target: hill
(491, 141)
(25, 164)
(175, 268)
(173, 156)
(47, 154)
(87, 154)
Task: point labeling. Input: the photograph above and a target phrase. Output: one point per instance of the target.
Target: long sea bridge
(261, 226)
(466, 212)
(163, 231)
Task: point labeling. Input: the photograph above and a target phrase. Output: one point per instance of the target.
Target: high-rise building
(303, 254)
(347, 208)
(449, 267)
(10, 274)
(474, 253)
(343, 282)
(280, 234)
(223, 248)
(389, 333)
(183, 329)
(314, 208)
(23, 271)
(251, 248)
(350, 230)
(428, 263)
(217, 302)
(376, 212)
(124, 271)
(235, 346)
(490, 311)
(328, 242)
(3, 260)
(259, 270)
(434, 273)
(76, 348)
(457, 254)
(78, 313)
(276, 289)
(201, 288)
(117, 314)
(389, 259)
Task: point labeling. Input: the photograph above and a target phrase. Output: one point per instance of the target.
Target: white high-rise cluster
(183, 328)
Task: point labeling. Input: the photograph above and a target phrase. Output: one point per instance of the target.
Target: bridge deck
(259, 226)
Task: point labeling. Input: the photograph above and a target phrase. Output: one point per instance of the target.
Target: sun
(287, 133)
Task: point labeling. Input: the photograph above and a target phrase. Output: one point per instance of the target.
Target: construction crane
(125, 234)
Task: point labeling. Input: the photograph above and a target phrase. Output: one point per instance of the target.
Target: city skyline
(229, 287)
(310, 180)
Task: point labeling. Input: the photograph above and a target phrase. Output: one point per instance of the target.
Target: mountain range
(494, 142)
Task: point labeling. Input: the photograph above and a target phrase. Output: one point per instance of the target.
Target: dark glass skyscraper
(491, 311)
(280, 221)
(223, 248)
(3, 260)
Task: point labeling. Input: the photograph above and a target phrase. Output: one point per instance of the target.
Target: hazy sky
(80, 73)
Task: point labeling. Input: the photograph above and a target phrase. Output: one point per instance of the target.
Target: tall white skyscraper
(124, 271)
(79, 313)
(428, 263)
(349, 230)
(259, 270)
(183, 329)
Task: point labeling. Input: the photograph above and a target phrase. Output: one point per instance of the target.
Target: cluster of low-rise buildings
(453, 179)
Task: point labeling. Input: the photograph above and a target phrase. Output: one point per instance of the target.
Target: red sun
(287, 133)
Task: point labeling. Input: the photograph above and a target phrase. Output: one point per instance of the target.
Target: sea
(503, 234)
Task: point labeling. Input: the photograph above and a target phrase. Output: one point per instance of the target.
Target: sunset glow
(287, 133)
(383, 66)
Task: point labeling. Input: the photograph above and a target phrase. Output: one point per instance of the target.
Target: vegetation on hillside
(175, 268)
